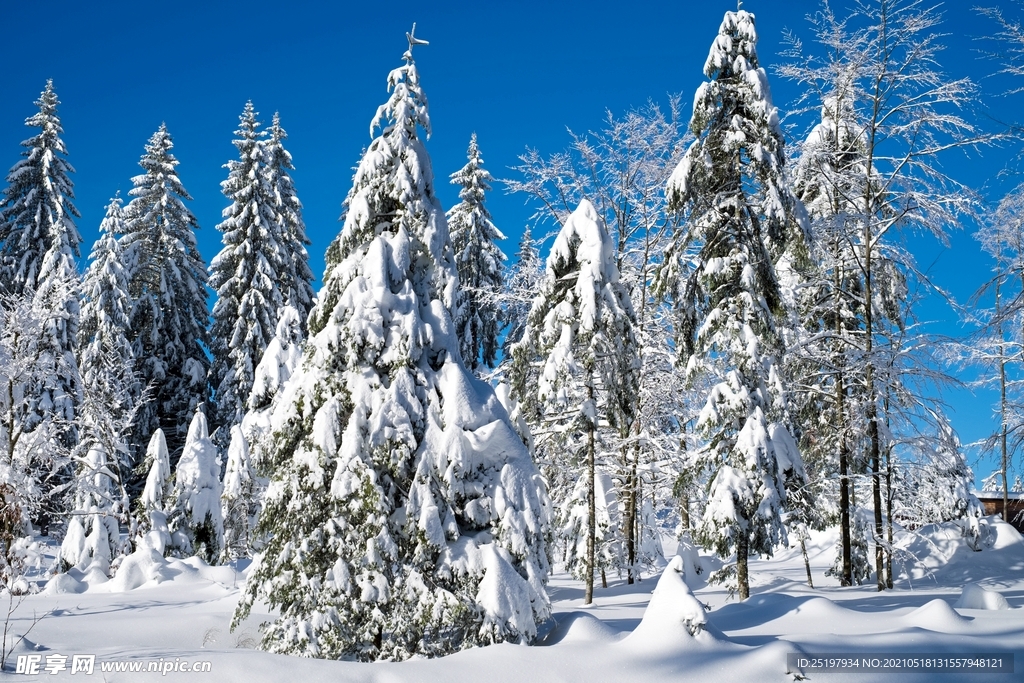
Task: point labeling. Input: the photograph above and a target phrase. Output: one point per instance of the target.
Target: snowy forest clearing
(185, 617)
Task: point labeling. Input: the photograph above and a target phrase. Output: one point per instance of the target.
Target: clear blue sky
(518, 74)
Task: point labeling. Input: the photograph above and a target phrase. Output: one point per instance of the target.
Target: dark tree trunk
(807, 563)
(742, 550)
(588, 596)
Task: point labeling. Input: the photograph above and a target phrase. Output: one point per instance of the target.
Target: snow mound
(224, 574)
(692, 569)
(976, 597)
(936, 615)
(97, 573)
(824, 610)
(579, 627)
(141, 567)
(1006, 537)
(64, 583)
(790, 614)
(940, 555)
(674, 616)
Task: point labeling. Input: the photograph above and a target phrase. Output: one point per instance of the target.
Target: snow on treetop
(407, 105)
(737, 39)
(159, 473)
(584, 237)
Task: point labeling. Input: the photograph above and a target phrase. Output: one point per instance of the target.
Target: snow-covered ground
(183, 618)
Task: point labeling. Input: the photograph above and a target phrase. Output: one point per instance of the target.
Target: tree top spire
(413, 41)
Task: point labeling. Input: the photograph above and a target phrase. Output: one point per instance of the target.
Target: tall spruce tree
(167, 283)
(38, 247)
(36, 215)
(246, 274)
(294, 275)
(237, 497)
(111, 388)
(404, 515)
(575, 367)
(740, 211)
(479, 264)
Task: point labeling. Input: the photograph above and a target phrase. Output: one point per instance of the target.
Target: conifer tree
(195, 516)
(36, 215)
(38, 247)
(237, 497)
(243, 486)
(37, 465)
(153, 504)
(245, 274)
(92, 535)
(404, 515)
(622, 169)
(577, 365)
(111, 393)
(479, 264)
(111, 388)
(740, 211)
(292, 263)
(279, 361)
(937, 484)
(524, 283)
(167, 283)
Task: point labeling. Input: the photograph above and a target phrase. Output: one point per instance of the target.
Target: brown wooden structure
(993, 502)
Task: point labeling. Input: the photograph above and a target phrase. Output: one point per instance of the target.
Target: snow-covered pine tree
(151, 519)
(941, 483)
(93, 534)
(52, 403)
(577, 364)
(35, 466)
(36, 214)
(167, 283)
(292, 262)
(244, 483)
(479, 264)
(740, 210)
(237, 497)
(524, 281)
(246, 274)
(111, 389)
(194, 519)
(573, 517)
(404, 514)
(38, 247)
(279, 361)
(622, 169)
